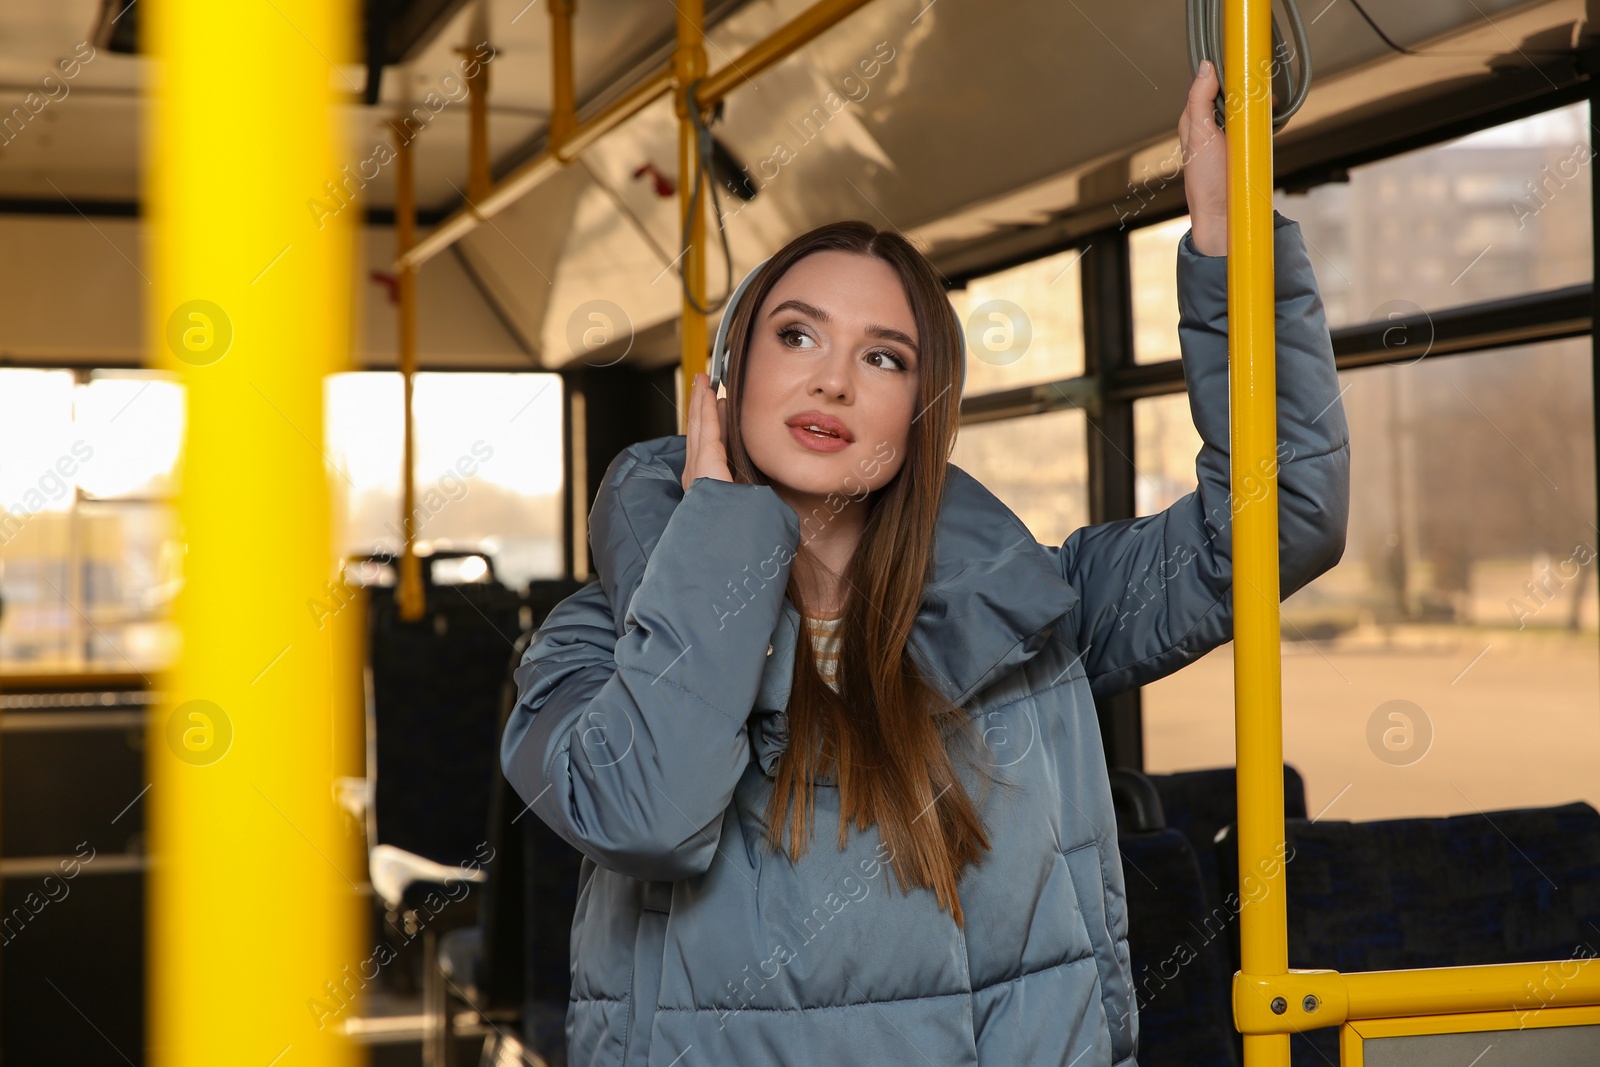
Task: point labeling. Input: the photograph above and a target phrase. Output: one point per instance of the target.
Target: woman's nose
(832, 373)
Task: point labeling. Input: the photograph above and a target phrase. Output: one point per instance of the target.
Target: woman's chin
(811, 486)
(817, 475)
(810, 477)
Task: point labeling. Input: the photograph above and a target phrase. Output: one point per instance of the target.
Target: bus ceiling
(1011, 186)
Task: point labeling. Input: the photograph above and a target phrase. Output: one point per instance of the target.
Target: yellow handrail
(479, 178)
(807, 26)
(1252, 362)
(410, 597)
(688, 64)
(1269, 1000)
(254, 904)
(563, 78)
(1312, 999)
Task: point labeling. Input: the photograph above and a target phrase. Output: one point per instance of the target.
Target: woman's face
(834, 338)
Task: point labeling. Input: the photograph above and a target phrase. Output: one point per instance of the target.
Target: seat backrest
(433, 709)
(1200, 803)
(503, 916)
(1490, 887)
(1183, 996)
(1136, 802)
(532, 891)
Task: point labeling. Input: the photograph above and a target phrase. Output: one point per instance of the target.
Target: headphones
(719, 347)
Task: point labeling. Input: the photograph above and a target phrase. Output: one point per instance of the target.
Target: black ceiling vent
(116, 28)
(397, 30)
(392, 31)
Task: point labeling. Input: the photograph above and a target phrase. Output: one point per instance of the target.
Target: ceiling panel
(952, 121)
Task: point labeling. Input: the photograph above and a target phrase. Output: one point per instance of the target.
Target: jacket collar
(990, 603)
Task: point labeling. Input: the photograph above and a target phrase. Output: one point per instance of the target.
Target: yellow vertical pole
(253, 902)
(563, 106)
(689, 63)
(479, 178)
(408, 591)
(1252, 362)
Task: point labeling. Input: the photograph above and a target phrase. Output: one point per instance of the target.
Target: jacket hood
(990, 603)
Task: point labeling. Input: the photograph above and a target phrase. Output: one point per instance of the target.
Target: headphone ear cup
(719, 346)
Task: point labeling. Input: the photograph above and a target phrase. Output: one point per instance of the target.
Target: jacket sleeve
(630, 746)
(1155, 590)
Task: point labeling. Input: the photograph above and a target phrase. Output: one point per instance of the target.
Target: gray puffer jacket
(651, 716)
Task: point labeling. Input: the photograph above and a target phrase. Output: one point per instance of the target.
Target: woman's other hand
(706, 456)
(1205, 165)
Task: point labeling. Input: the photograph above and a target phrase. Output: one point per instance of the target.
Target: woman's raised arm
(1156, 590)
(630, 746)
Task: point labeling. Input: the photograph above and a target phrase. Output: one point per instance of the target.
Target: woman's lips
(818, 442)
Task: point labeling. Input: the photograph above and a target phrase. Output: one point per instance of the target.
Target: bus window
(1495, 214)
(488, 466)
(1152, 260)
(89, 542)
(1449, 662)
(1012, 347)
(1037, 465)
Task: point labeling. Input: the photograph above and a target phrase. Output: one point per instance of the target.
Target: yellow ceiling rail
(788, 39)
(803, 28)
(254, 912)
(1252, 377)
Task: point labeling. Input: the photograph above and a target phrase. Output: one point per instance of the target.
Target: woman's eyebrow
(888, 333)
(804, 308)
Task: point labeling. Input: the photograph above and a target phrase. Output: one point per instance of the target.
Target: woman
(968, 907)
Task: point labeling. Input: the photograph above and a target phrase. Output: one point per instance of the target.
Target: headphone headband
(719, 347)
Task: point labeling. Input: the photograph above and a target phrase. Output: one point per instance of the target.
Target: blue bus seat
(1200, 803)
(1512, 886)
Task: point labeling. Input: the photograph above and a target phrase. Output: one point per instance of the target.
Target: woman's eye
(788, 335)
(790, 332)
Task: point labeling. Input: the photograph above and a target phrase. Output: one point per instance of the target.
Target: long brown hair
(884, 733)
